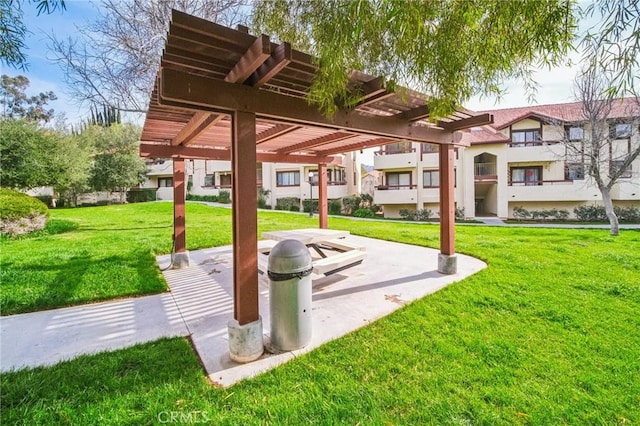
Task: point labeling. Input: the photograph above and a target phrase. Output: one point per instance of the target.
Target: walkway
(200, 304)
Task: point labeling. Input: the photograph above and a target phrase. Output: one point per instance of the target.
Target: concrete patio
(200, 304)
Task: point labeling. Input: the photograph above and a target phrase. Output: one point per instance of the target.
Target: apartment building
(518, 161)
(209, 177)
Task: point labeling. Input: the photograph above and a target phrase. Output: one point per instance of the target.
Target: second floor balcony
(395, 194)
(485, 172)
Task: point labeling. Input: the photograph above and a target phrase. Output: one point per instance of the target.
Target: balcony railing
(531, 143)
(484, 169)
(540, 182)
(395, 187)
(394, 151)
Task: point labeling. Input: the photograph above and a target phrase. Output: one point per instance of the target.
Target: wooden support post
(179, 193)
(245, 218)
(447, 200)
(323, 206)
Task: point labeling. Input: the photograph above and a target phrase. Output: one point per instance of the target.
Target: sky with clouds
(555, 85)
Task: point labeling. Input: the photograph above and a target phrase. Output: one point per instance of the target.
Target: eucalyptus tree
(451, 49)
(114, 59)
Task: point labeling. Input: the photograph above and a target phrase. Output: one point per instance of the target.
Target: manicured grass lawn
(548, 334)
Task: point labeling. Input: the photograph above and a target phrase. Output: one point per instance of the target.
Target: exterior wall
(496, 194)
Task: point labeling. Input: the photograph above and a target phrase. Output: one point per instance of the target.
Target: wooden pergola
(224, 94)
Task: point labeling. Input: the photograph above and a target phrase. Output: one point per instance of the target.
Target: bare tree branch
(114, 60)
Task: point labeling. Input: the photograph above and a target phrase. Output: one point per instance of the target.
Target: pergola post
(323, 205)
(447, 260)
(180, 257)
(245, 329)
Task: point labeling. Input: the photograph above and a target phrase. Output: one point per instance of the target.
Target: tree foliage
(117, 165)
(450, 50)
(16, 104)
(13, 30)
(115, 58)
(613, 45)
(26, 152)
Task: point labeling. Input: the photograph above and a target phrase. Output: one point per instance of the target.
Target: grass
(548, 334)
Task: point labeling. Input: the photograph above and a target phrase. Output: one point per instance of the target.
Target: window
(428, 147)
(165, 182)
(209, 180)
(288, 178)
(575, 133)
(336, 177)
(620, 130)
(399, 180)
(398, 148)
(574, 171)
(430, 178)
(527, 176)
(525, 137)
(614, 166)
(225, 180)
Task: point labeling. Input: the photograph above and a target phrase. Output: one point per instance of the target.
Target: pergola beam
(178, 88)
(465, 123)
(280, 58)
(354, 147)
(333, 137)
(415, 114)
(167, 151)
(252, 59)
(274, 132)
(198, 124)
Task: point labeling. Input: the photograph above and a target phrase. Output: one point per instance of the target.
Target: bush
(46, 199)
(627, 214)
(593, 213)
(20, 213)
(263, 194)
(224, 196)
(459, 213)
(364, 213)
(423, 215)
(309, 205)
(356, 202)
(288, 204)
(141, 195)
(520, 213)
(335, 206)
(207, 198)
(407, 214)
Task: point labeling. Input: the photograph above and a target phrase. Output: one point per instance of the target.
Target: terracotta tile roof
(567, 112)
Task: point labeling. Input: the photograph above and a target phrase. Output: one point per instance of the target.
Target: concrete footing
(245, 341)
(180, 260)
(447, 264)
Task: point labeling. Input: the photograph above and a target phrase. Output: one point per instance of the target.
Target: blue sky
(44, 74)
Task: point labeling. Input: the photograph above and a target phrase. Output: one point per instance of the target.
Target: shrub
(627, 214)
(459, 213)
(20, 213)
(288, 204)
(309, 205)
(141, 195)
(350, 204)
(335, 206)
(407, 214)
(423, 215)
(263, 194)
(224, 196)
(364, 213)
(593, 213)
(46, 199)
(207, 198)
(520, 213)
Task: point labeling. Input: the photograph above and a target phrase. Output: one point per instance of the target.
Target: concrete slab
(200, 304)
(48, 337)
(392, 275)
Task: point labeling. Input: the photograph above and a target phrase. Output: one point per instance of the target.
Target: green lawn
(548, 334)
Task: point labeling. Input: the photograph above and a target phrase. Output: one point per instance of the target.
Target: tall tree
(117, 165)
(451, 49)
(608, 143)
(115, 58)
(16, 104)
(26, 155)
(13, 30)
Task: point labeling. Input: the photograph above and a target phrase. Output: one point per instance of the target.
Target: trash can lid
(289, 256)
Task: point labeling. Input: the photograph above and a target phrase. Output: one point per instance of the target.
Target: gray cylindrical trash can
(290, 295)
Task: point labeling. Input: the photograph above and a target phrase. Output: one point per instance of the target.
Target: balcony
(160, 168)
(395, 194)
(535, 151)
(485, 172)
(395, 159)
(552, 190)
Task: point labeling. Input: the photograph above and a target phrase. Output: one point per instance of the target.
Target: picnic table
(335, 252)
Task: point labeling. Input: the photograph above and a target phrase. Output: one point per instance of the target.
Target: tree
(613, 45)
(117, 166)
(13, 30)
(74, 157)
(607, 146)
(17, 105)
(114, 60)
(26, 152)
(450, 50)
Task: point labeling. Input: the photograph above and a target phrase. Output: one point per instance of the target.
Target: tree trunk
(608, 207)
